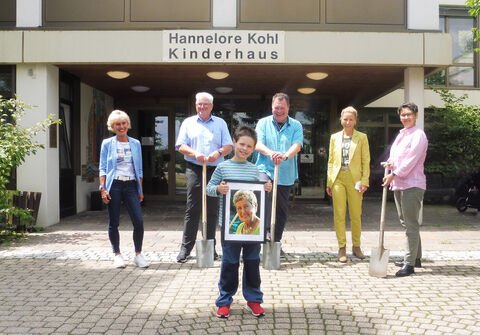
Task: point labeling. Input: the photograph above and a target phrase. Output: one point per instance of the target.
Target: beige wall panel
(7, 11)
(84, 10)
(10, 46)
(93, 46)
(286, 11)
(354, 48)
(438, 49)
(430, 98)
(170, 10)
(366, 11)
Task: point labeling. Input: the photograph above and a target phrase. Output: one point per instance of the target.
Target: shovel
(205, 248)
(271, 250)
(379, 256)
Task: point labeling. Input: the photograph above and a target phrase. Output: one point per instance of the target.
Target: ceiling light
(306, 90)
(223, 89)
(218, 75)
(140, 88)
(118, 74)
(317, 75)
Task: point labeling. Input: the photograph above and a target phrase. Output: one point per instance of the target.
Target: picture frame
(234, 229)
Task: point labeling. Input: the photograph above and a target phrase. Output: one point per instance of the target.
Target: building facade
(82, 59)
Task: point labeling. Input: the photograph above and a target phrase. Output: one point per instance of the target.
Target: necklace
(248, 230)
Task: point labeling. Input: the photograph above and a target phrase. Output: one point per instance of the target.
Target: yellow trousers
(343, 192)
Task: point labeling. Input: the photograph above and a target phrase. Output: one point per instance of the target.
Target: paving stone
(73, 289)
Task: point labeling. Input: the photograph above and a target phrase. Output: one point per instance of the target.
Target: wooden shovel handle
(382, 213)
(204, 200)
(274, 205)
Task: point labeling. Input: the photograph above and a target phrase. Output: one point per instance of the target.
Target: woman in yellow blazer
(347, 179)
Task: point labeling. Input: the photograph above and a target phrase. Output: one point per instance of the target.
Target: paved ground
(61, 281)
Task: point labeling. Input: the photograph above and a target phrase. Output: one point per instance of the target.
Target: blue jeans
(228, 283)
(126, 191)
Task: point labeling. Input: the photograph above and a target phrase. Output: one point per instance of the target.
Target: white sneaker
(140, 261)
(118, 261)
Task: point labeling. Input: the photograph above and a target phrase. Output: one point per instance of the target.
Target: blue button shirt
(279, 140)
(204, 136)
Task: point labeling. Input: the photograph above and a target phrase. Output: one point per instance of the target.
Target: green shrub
(16, 142)
(453, 134)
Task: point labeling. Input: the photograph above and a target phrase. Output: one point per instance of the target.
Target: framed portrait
(244, 212)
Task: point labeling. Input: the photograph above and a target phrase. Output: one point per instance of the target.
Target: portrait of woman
(246, 206)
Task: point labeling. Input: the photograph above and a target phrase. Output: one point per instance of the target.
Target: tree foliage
(474, 10)
(16, 143)
(453, 136)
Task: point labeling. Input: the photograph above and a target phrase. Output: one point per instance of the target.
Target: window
(462, 73)
(7, 81)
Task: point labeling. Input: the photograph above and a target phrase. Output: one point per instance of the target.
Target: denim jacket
(108, 160)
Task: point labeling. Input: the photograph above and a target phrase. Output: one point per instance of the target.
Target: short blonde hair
(245, 195)
(115, 116)
(349, 109)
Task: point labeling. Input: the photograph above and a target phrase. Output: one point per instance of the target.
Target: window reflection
(461, 30)
(460, 76)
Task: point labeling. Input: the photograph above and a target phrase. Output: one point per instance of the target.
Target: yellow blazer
(359, 155)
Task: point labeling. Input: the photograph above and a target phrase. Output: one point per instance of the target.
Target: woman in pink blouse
(408, 182)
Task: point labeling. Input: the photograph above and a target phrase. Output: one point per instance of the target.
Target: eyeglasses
(406, 115)
(203, 105)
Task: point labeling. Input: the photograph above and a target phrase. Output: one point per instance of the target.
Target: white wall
(29, 13)
(423, 15)
(37, 85)
(84, 188)
(224, 13)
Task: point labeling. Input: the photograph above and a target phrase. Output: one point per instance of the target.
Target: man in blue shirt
(280, 138)
(202, 138)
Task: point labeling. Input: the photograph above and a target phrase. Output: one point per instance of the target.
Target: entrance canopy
(350, 85)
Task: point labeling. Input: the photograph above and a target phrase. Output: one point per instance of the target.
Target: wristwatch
(220, 152)
(101, 186)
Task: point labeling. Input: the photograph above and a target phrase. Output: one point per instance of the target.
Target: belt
(124, 178)
(345, 168)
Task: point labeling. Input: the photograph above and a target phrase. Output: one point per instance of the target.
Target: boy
(238, 168)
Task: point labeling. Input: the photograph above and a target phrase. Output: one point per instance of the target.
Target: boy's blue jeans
(126, 191)
(228, 283)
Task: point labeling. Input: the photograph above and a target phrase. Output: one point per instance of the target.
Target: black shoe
(400, 264)
(182, 256)
(282, 253)
(215, 256)
(407, 270)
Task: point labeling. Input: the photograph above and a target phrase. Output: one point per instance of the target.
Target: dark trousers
(193, 212)
(283, 194)
(127, 192)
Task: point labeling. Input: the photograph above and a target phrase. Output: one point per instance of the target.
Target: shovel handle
(274, 205)
(382, 213)
(204, 200)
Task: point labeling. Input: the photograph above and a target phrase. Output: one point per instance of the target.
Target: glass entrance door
(155, 151)
(313, 114)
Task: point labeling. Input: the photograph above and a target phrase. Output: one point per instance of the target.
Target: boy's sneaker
(223, 312)
(256, 309)
(140, 261)
(118, 261)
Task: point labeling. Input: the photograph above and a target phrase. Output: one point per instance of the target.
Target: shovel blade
(205, 250)
(271, 255)
(379, 262)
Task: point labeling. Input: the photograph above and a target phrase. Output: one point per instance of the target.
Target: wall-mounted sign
(306, 158)
(223, 46)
